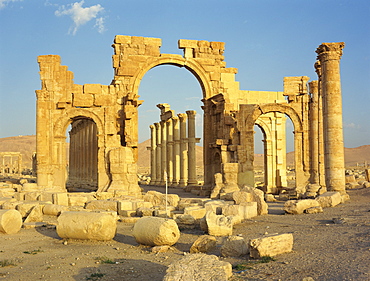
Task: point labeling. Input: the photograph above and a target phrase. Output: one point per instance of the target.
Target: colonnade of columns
(173, 150)
(83, 154)
(10, 163)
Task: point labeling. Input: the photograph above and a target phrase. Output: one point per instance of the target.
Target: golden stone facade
(104, 120)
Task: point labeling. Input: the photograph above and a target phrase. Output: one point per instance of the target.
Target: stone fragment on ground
(271, 245)
(203, 244)
(155, 231)
(10, 221)
(234, 246)
(329, 199)
(87, 225)
(219, 225)
(199, 267)
(297, 207)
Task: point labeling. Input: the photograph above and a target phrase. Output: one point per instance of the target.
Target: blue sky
(265, 39)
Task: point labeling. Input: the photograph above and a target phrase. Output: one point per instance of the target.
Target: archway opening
(82, 165)
(290, 154)
(260, 150)
(180, 89)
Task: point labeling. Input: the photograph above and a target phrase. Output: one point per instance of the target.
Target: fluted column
(183, 151)
(153, 155)
(158, 153)
(314, 131)
(176, 151)
(329, 55)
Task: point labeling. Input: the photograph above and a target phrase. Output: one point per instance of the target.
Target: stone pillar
(183, 151)
(314, 132)
(176, 151)
(329, 55)
(321, 158)
(158, 153)
(192, 168)
(163, 152)
(153, 155)
(169, 131)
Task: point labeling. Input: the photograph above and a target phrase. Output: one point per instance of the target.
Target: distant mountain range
(27, 145)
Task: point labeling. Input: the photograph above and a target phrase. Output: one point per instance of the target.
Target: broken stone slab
(54, 210)
(234, 246)
(10, 221)
(143, 212)
(198, 267)
(157, 198)
(216, 206)
(87, 226)
(203, 244)
(259, 197)
(219, 225)
(271, 245)
(184, 219)
(155, 231)
(329, 199)
(28, 187)
(25, 207)
(245, 210)
(196, 212)
(297, 207)
(60, 198)
(242, 197)
(107, 205)
(77, 201)
(35, 214)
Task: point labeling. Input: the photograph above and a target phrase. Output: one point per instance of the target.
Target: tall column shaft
(163, 152)
(176, 151)
(192, 168)
(153, 155)
(169, 131)
(158, 153)
(329, 55)
(314, 132)
(183, 151)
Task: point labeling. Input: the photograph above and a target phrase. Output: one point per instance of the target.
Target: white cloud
(3, 3)
(81, 15)
(99, 24)
(351, 125)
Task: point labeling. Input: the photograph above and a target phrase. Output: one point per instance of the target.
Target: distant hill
(27, 145)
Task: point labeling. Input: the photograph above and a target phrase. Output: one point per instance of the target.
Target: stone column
(169, 131)
(163, 152)
(192, 168)
(314, 132)
(158, 153)
(321, 158)
(183, 151)
(329, 55)
(153, 155)
(176, 151)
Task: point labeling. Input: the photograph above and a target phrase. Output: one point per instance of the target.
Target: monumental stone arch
(104, 120)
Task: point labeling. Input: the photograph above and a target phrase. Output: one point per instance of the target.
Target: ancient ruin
(104, 120)
(10, 163)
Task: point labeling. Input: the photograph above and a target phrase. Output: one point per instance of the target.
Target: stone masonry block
(106, 205)
(122, 39)
(271, 245)
(60, 198)
(92, 89)
(184, 43)
(218, 45)
(83, 100)
(329, 199)
(196, 212)
(153, 41)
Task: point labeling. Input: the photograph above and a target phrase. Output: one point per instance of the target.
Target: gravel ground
(323, 250)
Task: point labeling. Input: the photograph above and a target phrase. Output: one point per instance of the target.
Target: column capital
(313, 87)
(182, 117)
(330, 51)
(317, 66)
(191, 113)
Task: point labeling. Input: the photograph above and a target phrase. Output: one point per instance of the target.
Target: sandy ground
(323, 250)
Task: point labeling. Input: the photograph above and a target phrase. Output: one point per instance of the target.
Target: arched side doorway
(86, 168)
(249, 114)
